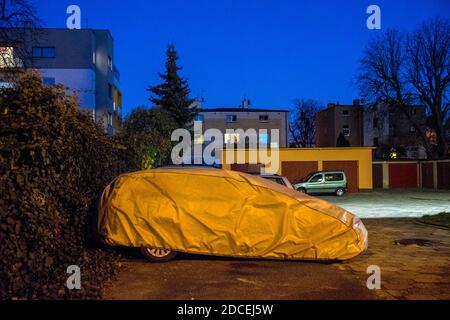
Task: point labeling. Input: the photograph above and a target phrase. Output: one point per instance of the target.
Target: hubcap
(340, 192)
(160, 253)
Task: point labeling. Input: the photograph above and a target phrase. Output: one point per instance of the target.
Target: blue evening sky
(270, 51)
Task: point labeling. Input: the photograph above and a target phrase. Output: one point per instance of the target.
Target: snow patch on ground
(393, 204)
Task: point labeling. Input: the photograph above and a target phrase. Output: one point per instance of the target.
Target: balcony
(116, 75)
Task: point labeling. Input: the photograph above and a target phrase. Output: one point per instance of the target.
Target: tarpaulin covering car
(225, 213)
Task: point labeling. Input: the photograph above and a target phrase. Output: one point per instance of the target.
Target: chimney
(245, 103)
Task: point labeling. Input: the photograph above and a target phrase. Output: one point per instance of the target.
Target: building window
(345, 112)
(391, 130)
(264, 138)
(375, 122)
(199, 117)
(199, 139)
(44, 52)
(231, 118)
(94, 58)
(110, 64)
(48, 81)
(109, 90)
(110, 119)
(346, 130)
(263, 117)
(375, 142)
(7, 57)
(231, 138)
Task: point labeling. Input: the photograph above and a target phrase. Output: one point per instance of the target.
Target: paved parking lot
(393, 203)
(419, 268)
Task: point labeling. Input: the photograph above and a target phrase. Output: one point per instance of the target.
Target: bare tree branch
(302, 122)
(400, 70)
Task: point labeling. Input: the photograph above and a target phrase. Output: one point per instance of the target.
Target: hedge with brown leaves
(54, 163)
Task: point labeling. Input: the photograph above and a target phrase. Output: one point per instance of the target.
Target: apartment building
(390, 130)
(247, 118)
(80, 59)
(337, 118)
(387, 128)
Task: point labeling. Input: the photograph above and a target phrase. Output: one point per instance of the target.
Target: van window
(316, 178)
(334, 177)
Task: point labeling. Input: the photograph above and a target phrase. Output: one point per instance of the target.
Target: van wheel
(302, 190)
(157, 254)
(340, 192)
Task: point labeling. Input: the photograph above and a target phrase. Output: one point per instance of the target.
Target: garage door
(443, 175)
(297, 170)
(402, 175)
(351, 171)
(427, 175)
(377, 175)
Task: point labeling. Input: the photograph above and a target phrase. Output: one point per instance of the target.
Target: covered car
(224, 213)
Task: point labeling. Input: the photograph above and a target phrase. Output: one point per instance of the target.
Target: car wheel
(157, 254)
(340, 192)
(302, 190)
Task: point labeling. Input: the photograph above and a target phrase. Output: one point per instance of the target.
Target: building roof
(241, 110)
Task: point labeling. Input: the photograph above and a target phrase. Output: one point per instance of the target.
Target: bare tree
(17, 17)
(428, 70)
(400, 70)
(302, 122)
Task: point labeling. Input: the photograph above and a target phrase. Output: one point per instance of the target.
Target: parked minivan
(324, 182)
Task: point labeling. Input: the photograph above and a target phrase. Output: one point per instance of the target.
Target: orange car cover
(226, 213)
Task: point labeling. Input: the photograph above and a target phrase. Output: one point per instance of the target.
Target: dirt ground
(417, 267)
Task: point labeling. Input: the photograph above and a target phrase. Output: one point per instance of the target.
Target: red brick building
(337, 118)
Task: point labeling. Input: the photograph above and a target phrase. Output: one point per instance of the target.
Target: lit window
(7, 57)
(199, 139)
(231, 118)
(346, 130)
(263, 117)
(231, 138)
(4, 84)
(264, 138)
(110, 64)
(199, 117)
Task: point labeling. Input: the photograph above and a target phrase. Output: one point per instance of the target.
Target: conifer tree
(173, 94)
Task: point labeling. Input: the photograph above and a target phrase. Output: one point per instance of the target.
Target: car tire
(302, 190)
(340, 192)
(157, 254)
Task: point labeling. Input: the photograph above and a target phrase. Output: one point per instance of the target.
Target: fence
(433, 174)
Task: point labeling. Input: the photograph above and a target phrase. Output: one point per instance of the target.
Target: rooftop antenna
(202, 95)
